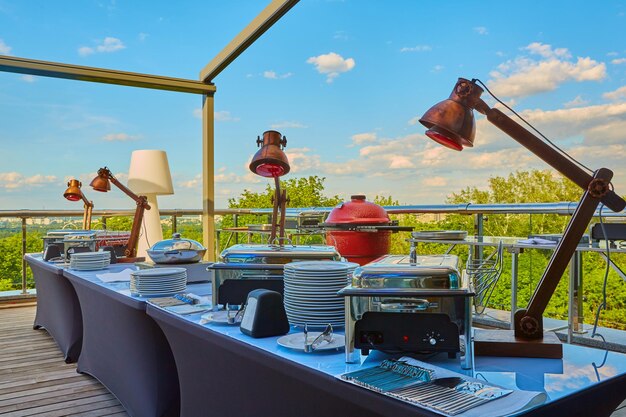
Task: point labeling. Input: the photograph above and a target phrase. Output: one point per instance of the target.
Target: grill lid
(357, 211)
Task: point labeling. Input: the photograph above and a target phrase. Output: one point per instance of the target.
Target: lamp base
(128, 260)
(504, 343)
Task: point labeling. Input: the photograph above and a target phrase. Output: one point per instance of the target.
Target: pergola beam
(99, 75)
(270, 15)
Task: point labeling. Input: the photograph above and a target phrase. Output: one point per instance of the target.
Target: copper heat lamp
(271, 162)
(74, 193)
(451, 123)
(102, 183)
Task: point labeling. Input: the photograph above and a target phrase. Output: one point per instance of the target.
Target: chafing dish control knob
(432, 341)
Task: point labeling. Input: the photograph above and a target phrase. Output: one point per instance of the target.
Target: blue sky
(345, 81)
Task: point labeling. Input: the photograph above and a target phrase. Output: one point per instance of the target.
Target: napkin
(122, 276)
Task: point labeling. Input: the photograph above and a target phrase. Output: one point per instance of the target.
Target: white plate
(220, 317)
(159, 272)
(296, 341)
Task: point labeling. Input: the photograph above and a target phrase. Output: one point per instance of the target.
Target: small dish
(220, 317)
(295, 341)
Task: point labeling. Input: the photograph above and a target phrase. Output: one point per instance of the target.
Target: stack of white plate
(311, 292)
(158, 282)
(90, 261)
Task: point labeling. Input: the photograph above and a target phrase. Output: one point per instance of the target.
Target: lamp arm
(275, 206)
(137, 198)
(550, 155)
(528, 323)
(131, 248)
(88, 208)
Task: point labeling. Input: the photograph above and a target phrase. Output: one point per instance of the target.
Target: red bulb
(73, 197)
(270, 170)
(444, 140)
(405, 339)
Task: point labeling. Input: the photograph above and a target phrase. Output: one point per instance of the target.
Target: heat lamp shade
(149, 173)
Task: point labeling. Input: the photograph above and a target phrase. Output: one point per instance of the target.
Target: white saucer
(296, 341)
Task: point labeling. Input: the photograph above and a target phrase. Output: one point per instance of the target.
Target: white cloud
(481, 30)
(525, 76)
(28, 78)
(119, 137)
(437, 68)
(331, 64)
(225, 116)
(618, 94)
(4, 48)
(288, 125)
(143, 36)
(220, 116)
(13, 180)
(578, 101)
(417, 48)
(109, 44)
(341, 35)
(546, 50)
(435, 182)
(272, 75)
(361, 138)
(618, 61)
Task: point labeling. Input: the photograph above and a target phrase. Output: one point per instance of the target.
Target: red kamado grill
(360, 230)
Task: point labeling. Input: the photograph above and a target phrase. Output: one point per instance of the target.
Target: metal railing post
(236, 224)
(174, 225)
(24, 291)
(479, 231)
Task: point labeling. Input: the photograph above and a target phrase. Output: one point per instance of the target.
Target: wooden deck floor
(36, 381)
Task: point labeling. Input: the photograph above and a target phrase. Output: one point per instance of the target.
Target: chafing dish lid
(277, 254)
(429, 272)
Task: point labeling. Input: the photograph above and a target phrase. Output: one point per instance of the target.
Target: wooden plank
(48, 398)
(31, 356)
(50, 375)
(42, 388)
(108, 411)
(75, 407)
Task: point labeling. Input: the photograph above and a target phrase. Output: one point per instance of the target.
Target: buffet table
(123, 348)
(58, 309)
(256, 377)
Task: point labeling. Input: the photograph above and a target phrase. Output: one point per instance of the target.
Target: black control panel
(406, 332)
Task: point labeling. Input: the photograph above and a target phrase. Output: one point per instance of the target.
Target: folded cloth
(537, 241)
(122, 276)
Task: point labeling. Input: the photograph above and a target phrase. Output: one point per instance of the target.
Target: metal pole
(24, 291)
(208, 176)
(514, 273)
(174, 225)
(479, 231)
(236, 224)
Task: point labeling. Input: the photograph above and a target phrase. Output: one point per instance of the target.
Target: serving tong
(325, 336)
(234, 318)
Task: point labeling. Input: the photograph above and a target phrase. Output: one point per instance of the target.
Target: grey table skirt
(58, 308)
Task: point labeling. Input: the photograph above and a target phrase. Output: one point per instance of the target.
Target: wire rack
(484, 274)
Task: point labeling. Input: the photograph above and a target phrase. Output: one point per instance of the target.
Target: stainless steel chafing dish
(396, 305)
(243, 268)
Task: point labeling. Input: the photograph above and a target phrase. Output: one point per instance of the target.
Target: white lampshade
(149, 173)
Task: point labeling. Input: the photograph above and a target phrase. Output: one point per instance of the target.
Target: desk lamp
(271, 162)
(102, 183)
(74, 193)
(149, 175)
(451, 123)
